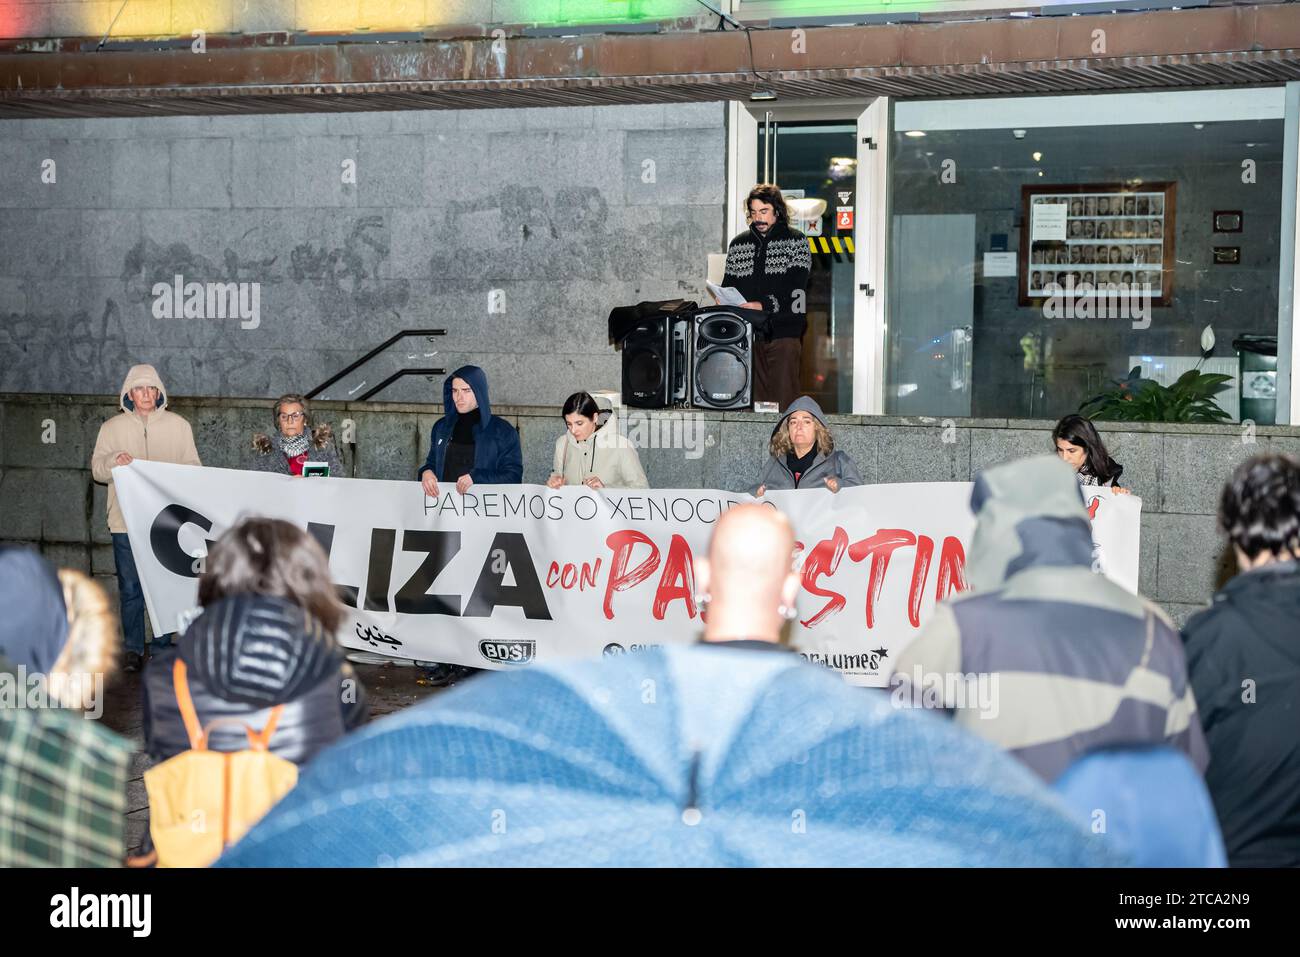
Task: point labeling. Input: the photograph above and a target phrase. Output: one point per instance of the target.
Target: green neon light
(561, 12)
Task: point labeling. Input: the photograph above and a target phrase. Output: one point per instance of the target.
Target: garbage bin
(1257, 364)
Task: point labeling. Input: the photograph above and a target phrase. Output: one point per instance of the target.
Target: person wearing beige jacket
(143, 430)
(594, 453)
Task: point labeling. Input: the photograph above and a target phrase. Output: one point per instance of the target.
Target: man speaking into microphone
(769, 264)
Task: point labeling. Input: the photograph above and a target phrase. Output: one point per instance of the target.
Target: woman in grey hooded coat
(803, 454)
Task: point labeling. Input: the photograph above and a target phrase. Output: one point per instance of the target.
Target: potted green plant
(1138, 399)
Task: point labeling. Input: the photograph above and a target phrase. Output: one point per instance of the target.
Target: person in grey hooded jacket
(803, 454)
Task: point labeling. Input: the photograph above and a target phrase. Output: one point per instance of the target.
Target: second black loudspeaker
(724, 361)
(656, 362)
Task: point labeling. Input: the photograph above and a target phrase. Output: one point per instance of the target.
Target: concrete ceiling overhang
(275, 73)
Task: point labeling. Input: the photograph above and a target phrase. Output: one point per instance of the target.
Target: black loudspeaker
(656, 363)
(724, 361)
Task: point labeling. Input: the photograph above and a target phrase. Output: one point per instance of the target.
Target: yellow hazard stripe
(812, 245)
(825, 248)
(835, 241)
(848, 243)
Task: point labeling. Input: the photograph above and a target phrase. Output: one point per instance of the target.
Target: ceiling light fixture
(806, 209)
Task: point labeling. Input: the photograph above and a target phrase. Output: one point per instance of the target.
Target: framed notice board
(1097, 239)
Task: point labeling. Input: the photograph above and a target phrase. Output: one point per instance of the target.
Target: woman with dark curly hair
(1243, 658)
(1077, 444)
(295, 441)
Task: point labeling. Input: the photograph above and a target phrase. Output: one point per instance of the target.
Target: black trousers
(776, 371)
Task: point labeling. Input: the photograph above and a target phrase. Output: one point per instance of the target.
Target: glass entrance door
(814, 162)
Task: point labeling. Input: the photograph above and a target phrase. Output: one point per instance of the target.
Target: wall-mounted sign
(999, 264)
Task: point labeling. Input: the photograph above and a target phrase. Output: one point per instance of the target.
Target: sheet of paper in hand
(726, 295)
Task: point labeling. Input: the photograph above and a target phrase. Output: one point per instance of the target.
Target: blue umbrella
(677, 756)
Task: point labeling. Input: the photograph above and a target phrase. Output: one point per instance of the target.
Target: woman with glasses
(295, 442)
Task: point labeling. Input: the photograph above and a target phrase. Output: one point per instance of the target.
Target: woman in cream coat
(593, 453)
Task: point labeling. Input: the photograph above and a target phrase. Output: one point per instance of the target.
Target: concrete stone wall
(47, 496)
(354, 227)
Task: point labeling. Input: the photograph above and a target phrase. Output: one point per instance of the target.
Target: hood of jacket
(258, 650)
(477, 380)
(1029, 514)
(138, 376)
(34, 628)
(802, 404)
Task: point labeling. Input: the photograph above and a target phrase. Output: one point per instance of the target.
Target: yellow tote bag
(203, 801)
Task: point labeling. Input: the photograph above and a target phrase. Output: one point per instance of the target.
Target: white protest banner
(505, 575)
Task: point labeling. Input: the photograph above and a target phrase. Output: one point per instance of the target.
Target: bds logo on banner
(508, 652)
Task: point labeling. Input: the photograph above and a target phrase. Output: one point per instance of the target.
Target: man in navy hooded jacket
(468, 444)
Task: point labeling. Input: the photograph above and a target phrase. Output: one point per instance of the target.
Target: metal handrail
(397, 375)
(370, 355)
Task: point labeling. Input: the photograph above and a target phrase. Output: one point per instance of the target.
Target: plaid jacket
(62, 790)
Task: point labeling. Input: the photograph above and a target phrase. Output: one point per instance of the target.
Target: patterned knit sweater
(773, 270)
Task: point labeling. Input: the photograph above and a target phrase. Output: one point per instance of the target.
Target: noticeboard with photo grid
(1111, 236)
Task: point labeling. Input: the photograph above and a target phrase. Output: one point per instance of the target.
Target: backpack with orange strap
(203, 801)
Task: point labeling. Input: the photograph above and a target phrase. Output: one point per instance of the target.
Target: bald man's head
(749, 573)
(752, 547)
